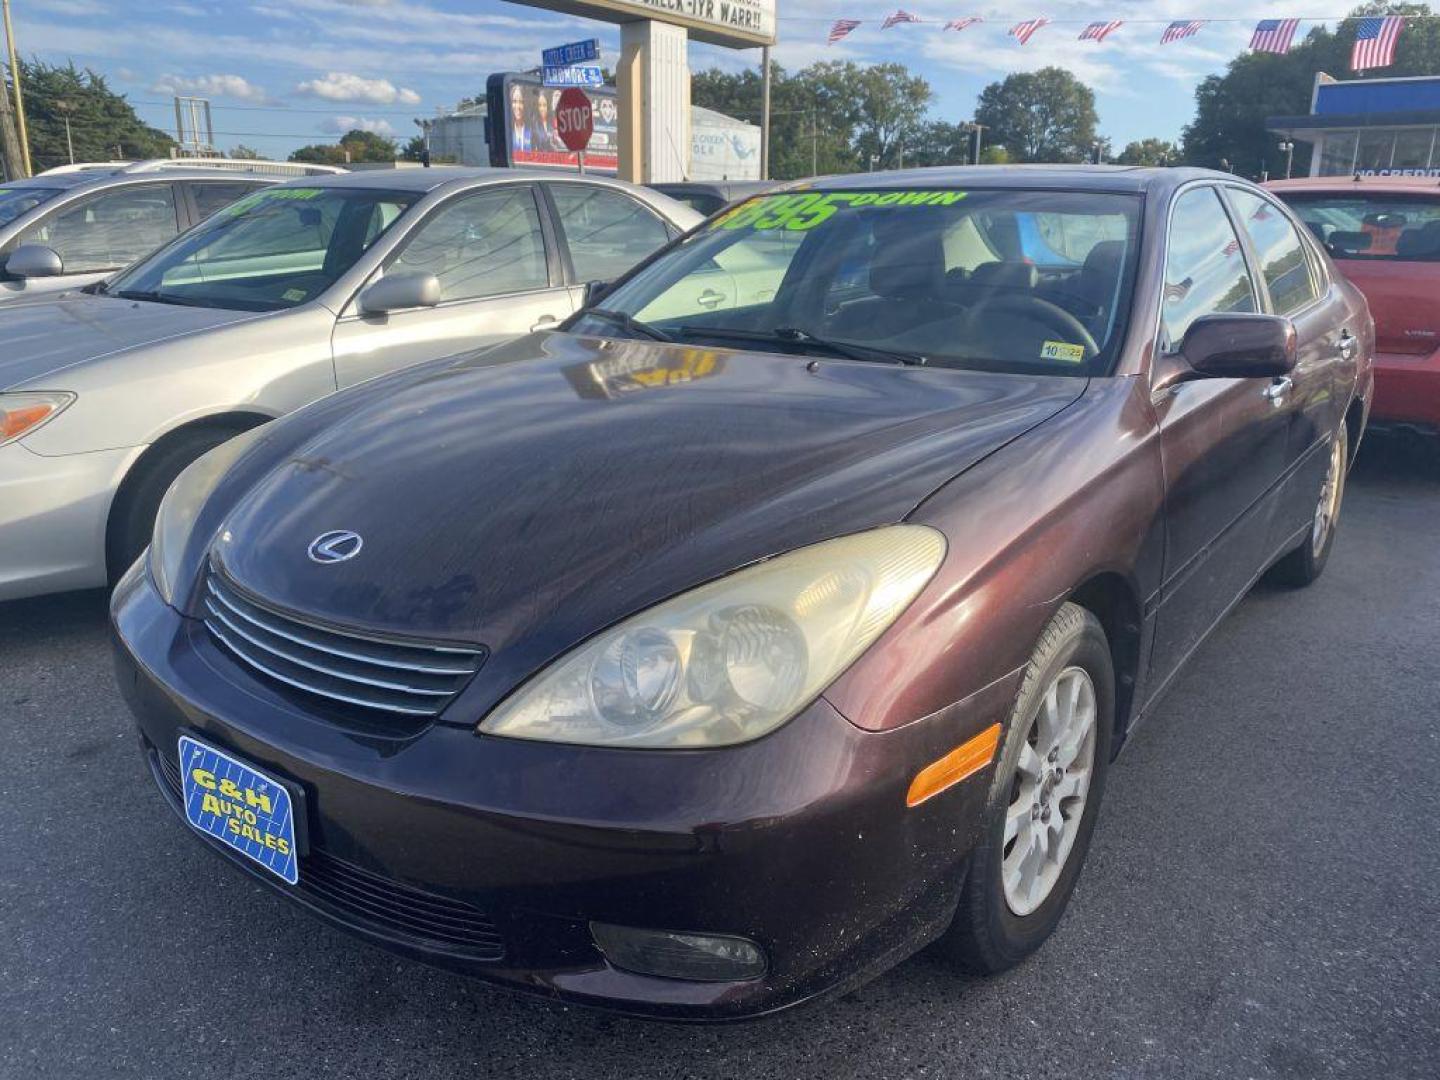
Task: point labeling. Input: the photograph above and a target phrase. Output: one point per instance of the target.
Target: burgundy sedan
(775, 617)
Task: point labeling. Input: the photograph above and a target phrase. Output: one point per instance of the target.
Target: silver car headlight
(731, 660)
(25, 413)
(186, 497)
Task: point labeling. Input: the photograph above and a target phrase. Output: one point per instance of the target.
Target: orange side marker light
(964, 761)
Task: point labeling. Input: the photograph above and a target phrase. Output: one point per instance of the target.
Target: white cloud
(339, 125)
(227, 86)
(341, 86)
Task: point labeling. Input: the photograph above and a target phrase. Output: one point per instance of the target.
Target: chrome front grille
(341, 666)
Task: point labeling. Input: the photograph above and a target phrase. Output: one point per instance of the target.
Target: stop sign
(574, 119)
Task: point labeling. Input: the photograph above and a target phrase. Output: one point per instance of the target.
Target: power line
(286, 108)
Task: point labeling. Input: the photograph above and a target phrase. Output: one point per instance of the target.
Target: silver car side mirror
(399, 292)
(34, 261)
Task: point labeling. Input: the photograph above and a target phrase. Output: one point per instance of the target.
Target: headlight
(182, 504)
(732, 660)
(22, 414)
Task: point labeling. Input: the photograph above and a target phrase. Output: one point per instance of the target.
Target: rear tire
(1033, 805)
(1304, 563)
(132, 518)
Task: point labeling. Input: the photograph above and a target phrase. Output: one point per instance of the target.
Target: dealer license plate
(240, 806)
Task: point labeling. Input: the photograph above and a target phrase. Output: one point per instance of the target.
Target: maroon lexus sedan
(778, 615)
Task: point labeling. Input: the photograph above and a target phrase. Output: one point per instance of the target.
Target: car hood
(45, 337)
(526, 505)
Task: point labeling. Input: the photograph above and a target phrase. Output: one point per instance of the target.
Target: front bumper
(53, 512)
(1407, 390)
(800, 841)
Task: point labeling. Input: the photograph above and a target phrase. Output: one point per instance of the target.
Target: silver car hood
(38, 340)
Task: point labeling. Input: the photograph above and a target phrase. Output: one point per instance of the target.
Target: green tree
(354, 146)
(1149, 152)
(939, 142)
(826, 118)
(994, 155)
(1046, 115)
(103, 125)
(414, 149)
(244, 153)
(1232, 109)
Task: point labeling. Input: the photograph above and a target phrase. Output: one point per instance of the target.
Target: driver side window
(1205, 269)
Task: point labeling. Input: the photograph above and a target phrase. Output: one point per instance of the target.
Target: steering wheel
(1056, 318)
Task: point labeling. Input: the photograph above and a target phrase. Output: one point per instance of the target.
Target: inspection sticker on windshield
(293, 295)
(239, 806)
(797, 213)
(1063, 350)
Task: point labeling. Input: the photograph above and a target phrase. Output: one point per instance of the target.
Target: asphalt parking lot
(1263, 897)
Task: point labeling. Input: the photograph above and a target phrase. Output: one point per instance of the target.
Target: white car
(281, 298)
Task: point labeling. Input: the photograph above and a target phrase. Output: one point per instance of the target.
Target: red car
(1384, 234)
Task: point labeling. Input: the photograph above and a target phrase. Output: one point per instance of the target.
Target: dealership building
(1373, 127)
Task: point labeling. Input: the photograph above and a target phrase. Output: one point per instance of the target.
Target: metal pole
(19, 93)
(765, 112)
(814, 143)
(979, 138)
(69, 142)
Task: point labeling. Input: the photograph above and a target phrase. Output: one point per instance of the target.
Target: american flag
(1231, 248)
(1375, 42)
(1099, 31)
(1183, 29)
(961, 24)
(900, 16)
(841, 29)
(1274, 35)
(1024, 31)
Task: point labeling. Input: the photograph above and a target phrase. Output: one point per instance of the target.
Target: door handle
(545, 320)
(710, 298)
(1277, 390)
(1347, 344)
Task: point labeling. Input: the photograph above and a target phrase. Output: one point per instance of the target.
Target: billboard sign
(577, 52)
(578, 75)
(740, 24)
(524, 126)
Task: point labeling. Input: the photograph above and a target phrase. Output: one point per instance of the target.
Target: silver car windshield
(18, 200)
(1001, 280)
(271, 250)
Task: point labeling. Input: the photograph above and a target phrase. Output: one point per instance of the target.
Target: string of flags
(1375, 36)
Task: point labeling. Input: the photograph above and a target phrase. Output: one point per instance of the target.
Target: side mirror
(595, 292)
(1240, 346)
(400, 292)
(34, 260)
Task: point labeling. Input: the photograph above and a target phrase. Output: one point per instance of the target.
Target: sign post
(575, 121)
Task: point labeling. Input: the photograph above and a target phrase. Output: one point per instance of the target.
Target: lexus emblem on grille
(337, 545)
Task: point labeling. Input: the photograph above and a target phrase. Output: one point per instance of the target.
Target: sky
(283, 73)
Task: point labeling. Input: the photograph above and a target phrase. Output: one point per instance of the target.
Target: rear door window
(1280, 251)
(608, 232)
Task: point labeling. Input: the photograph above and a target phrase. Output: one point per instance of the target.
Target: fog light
(697, 957)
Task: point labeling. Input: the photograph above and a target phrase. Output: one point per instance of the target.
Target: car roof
(1340, 184)
(98, 178)
(1136, 179)
(425, 180)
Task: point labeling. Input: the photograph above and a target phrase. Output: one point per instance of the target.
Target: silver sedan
(280, 298)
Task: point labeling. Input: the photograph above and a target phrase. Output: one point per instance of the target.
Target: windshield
(275, 249)
(1389, 227)
(17, 200)
(1019, 281)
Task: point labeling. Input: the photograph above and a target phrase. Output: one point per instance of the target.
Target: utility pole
(23, 134)
(64, 108)
(765, 113)
(11, 163)
(979, 130)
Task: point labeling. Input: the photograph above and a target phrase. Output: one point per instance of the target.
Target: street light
(1288, 149)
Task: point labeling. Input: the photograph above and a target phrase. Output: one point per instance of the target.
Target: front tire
(1043, 800)
(132, 518)
(1306, 562)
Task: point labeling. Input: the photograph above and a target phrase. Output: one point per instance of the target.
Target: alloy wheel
(1047, 799)
(1327, 509)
